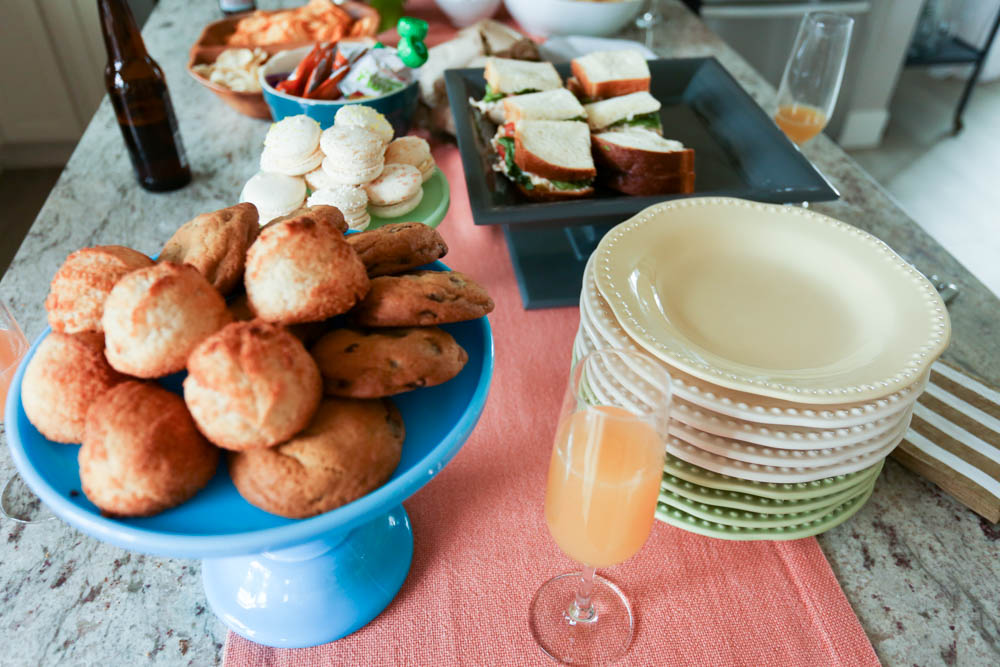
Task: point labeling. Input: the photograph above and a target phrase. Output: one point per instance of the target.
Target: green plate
(432, 209)
(835, 517)
(713, 480)
(750, 519)
(751, 503)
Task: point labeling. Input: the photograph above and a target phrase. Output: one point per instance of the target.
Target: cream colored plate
(605, 389)
(772, 300)
(751, 433)
(603, 331)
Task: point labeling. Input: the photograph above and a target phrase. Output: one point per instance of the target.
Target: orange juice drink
(11, 351)
(800, 122)
(604, 479)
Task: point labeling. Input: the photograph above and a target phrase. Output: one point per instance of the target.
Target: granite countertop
(918, 568)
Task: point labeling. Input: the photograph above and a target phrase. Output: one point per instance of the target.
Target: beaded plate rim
(917, 360)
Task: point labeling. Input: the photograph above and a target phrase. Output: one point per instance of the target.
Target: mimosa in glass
(813, 74)
(603, 483)
(17, 501)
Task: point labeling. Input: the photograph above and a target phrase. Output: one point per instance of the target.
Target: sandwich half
(603, 74)
(635, 110)
(513, 77)
(558, 104)
(638, 162)
(546, 159)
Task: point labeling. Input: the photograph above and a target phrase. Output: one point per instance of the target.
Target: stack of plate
(797, 346)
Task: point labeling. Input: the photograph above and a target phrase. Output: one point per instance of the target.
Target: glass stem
(582, 610)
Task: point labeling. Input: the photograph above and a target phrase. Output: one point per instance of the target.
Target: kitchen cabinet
(56, 81)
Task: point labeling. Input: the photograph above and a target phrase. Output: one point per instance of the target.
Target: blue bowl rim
(339, 520)
(267, 89)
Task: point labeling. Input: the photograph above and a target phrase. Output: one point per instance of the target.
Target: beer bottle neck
(121, 33)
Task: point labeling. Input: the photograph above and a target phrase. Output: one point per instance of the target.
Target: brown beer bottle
(138, 93)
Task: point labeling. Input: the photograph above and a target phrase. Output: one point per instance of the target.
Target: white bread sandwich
(603, 74)
(638, 162)
(513, 77)
(635, 110)
(557, 104)
(546, 159)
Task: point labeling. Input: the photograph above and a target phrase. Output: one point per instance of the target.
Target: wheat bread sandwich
(513, 77)
(637, 162)
(604, 74)
(546, 159)
(635, 110)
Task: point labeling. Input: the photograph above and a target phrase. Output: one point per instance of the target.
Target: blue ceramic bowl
(217, 521)
(398, 107)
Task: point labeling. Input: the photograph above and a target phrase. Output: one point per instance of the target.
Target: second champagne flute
(603, 484)
(813, 74)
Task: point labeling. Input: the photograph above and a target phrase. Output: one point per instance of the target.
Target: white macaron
(354, 155)
(359, 115)
(351, 200)
(396, 191)
(291, 146)
(274, 195)
(413, 151)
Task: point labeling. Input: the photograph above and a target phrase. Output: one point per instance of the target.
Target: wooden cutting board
(954, 439)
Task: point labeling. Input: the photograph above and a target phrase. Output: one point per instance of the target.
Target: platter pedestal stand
(315, 592)
(549, 261)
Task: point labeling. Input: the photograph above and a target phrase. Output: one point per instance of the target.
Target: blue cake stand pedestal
(276, 581)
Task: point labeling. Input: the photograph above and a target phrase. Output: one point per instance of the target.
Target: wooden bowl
(212, 42)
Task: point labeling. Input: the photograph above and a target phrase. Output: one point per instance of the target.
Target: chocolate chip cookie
(349, 449)
(422, 298)
(397, 248)
(360, 363)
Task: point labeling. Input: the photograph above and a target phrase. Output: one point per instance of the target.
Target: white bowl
(573, 17)
(464, 13)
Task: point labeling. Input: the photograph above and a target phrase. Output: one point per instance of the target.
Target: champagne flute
(604, 480)
(813, 74)
(648, 20)
(17, 502)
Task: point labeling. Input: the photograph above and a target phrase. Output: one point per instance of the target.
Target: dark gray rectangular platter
(739, 152)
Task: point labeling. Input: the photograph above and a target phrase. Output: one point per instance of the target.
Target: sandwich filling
(503, 144)
(492, 101)
(648, 121)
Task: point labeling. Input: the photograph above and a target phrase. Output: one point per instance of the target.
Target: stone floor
(947, 183)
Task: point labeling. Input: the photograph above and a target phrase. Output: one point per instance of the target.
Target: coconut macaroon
(67, 373)
(154, 317)
(141, 452)
(251, 385)
(302, 270)
(216, 244)
(350, 448)
(82, 284)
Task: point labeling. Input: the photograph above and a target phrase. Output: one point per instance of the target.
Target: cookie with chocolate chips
(372, 363)
(422, 298)
(396, 248)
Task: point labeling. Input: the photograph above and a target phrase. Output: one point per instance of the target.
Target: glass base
(603, 639)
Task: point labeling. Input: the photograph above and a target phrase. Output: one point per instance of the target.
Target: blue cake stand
(276, 581)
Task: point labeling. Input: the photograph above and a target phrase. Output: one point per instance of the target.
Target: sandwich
(638, 162)
(546, 159)
(603, 74)
(513, 77)
(558, 104)
(635, 110)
